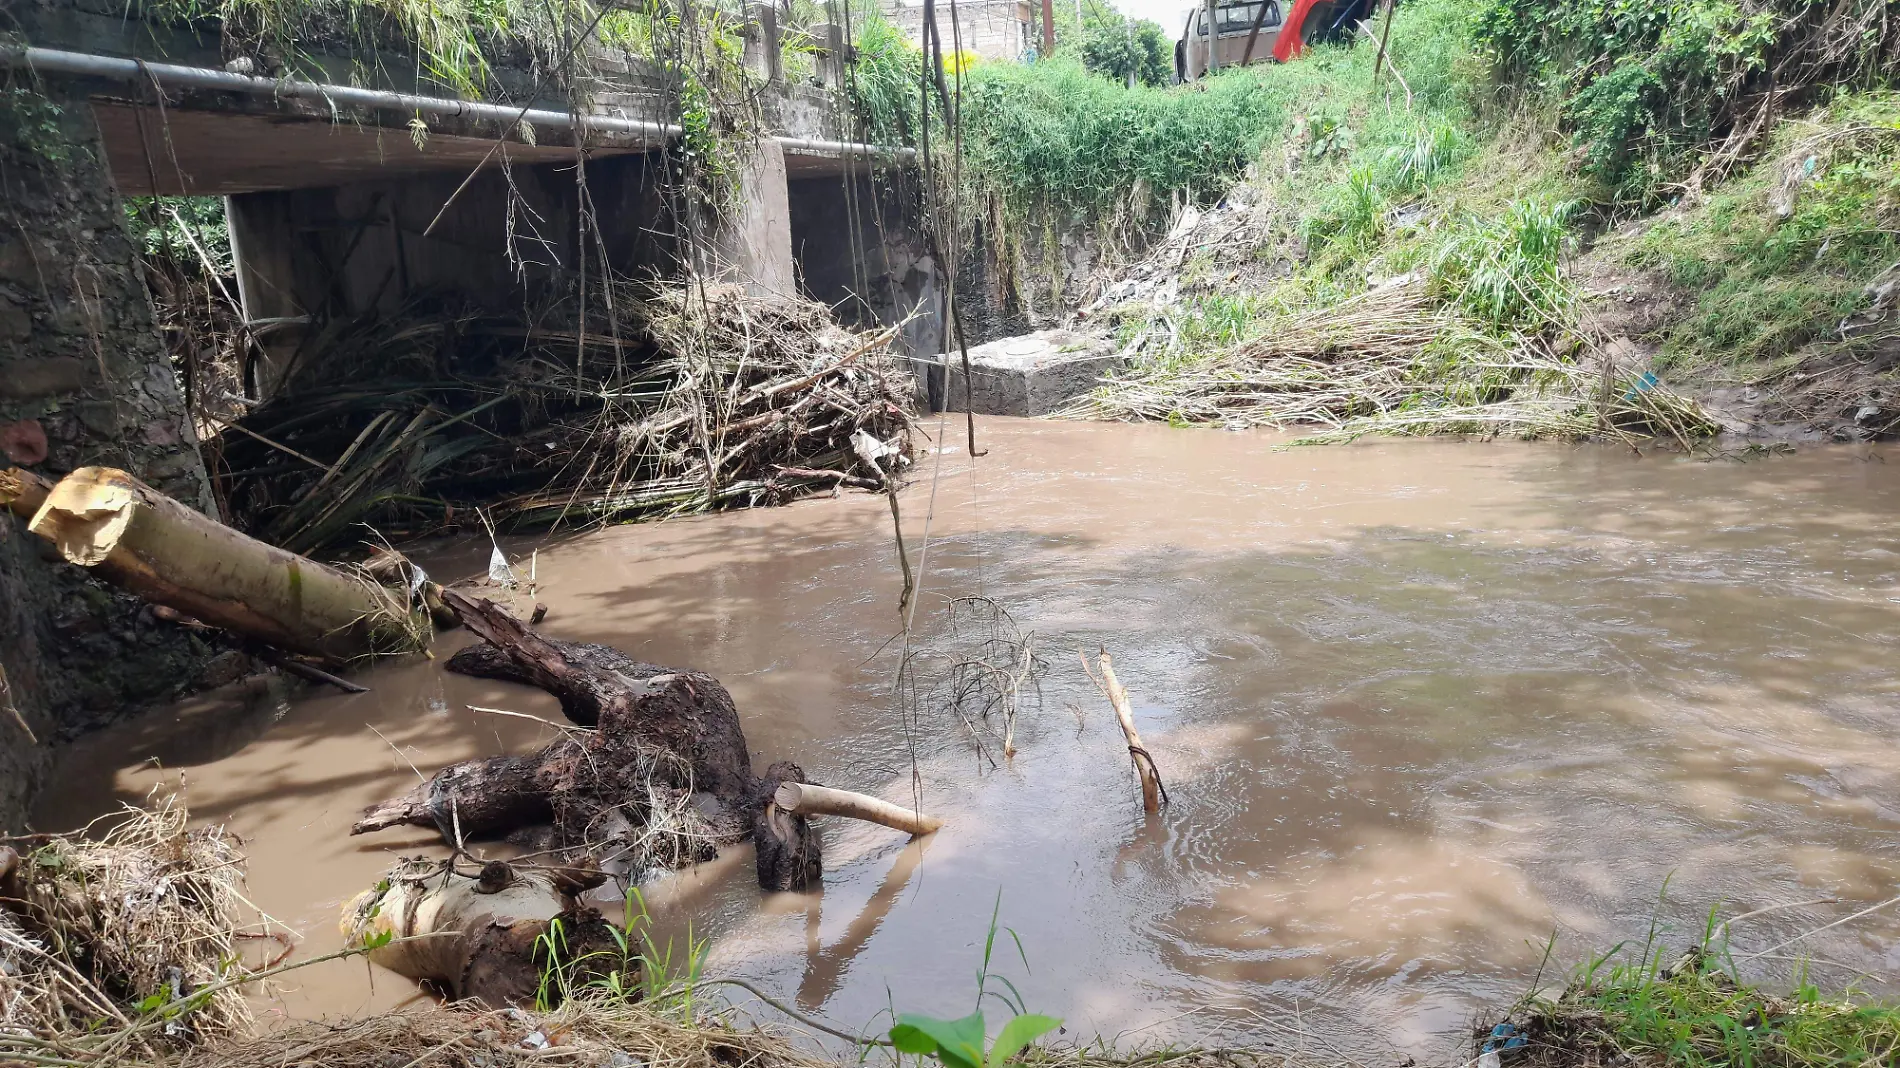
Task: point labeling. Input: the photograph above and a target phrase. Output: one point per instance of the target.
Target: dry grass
(121, 944)
(1394, 361)
(603, 1031)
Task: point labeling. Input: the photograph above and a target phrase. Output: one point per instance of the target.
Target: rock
(1034, 374)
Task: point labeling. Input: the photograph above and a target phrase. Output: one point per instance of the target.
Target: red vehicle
(1273, 32)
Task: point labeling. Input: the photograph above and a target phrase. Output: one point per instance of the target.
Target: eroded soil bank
(1419, 705)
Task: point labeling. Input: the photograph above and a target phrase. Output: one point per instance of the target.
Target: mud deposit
(1419, 704)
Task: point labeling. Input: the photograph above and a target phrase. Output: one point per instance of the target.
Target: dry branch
(1153, 793)
(809, 800)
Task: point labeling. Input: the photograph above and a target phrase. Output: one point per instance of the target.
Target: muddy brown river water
(1420, 706)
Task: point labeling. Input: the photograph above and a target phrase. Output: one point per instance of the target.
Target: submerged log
(144, 542)
(481, 938)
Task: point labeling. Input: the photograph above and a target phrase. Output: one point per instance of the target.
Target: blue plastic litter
(1505, 1038)
(1644, 382)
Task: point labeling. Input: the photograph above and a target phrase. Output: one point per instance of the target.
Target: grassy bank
(1520, 167)
(1641, 1004)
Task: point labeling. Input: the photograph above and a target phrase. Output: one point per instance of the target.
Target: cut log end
(87, 514)
(788, 851)
(809, 800)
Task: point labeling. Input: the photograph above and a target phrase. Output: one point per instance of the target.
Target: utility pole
(1048, 28)
(1213, 39)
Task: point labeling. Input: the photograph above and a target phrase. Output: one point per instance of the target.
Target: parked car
(1281, 35)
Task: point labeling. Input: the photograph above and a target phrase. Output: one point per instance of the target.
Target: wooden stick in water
(1153, 794)
(808, 800)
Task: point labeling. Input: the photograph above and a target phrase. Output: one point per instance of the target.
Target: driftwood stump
(660, 781)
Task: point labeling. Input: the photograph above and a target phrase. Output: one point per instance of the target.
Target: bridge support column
(753, 241)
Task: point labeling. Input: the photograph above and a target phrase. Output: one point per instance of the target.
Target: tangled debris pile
(125, 944)
(696, 398)
(1390, 361)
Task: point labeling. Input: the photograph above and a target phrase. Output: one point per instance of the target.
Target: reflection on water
(1419, 705)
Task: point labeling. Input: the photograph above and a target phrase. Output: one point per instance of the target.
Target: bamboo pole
(144, 542)
(1153, 794)
(807, 800)
(1384, 35)
(1259, 19)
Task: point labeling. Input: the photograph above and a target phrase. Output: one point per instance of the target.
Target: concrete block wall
(993, 29)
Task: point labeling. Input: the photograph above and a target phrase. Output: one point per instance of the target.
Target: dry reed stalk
(1153, 793)
(97, 932)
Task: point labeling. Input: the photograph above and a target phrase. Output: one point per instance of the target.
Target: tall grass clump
(883, 82)
(1508, 271)
(1785, 255)
(453, 42)
(1053, 135)
(1646, 1006)
(1650, 93)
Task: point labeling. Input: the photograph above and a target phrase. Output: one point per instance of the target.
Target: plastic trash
(1644, 383)
(1504, 1039)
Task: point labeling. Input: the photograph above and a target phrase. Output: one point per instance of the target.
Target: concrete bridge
(346, 198)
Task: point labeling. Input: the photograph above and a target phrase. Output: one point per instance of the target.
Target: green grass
(1646, 1006)
(1058, 143)
(1780, 255)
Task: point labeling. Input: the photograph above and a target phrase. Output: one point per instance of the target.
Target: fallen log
(485, 937)
(808, 800)
(144, 542)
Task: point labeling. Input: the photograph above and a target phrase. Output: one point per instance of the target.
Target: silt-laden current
(1419, 706)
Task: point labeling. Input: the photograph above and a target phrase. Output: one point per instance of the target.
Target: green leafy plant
(34, 123)
(964, 1042)
(1645, 88)
(1127, 49)
(959, 1043)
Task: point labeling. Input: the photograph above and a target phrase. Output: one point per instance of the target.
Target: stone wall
(83, 380)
